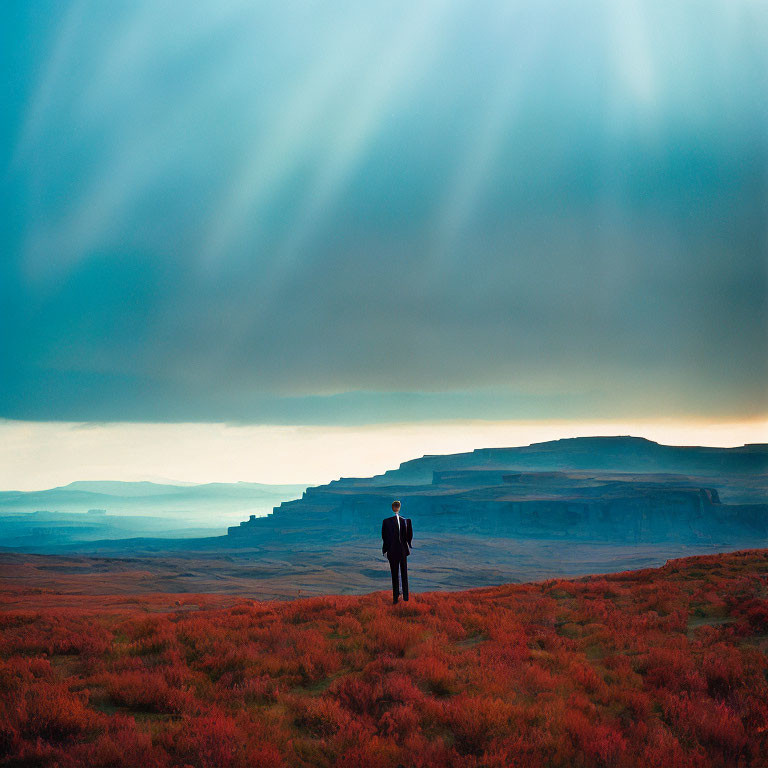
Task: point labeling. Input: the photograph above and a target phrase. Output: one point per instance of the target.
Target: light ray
(141, 46)
(50, 80)
(476, 167)
(136, 161)
(287, 140)
(397, 59)
(632, 58)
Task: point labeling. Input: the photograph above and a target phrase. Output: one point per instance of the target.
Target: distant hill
(55, 516)
(120, 488)
(503, 514)
(615, 453)
(125, 497)
(612, 489)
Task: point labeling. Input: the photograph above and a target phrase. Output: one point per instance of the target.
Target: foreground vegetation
(665, 667)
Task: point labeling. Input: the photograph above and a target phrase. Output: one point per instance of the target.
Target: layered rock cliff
(583, 489)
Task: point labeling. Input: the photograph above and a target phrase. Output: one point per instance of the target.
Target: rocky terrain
(610, 489)
(486, 517)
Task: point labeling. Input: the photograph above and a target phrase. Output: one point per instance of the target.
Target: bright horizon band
(38, 455)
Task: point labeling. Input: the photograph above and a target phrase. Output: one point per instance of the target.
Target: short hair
(396, 504)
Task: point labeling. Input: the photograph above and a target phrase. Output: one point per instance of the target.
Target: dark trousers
(399, 563)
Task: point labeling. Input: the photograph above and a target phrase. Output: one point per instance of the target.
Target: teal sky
(365, 212)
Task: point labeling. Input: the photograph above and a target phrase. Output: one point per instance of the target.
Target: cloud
(359, 212)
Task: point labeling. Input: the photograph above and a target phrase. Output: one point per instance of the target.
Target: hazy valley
(491, 516)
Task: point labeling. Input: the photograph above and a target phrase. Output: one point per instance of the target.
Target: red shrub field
(662, 668)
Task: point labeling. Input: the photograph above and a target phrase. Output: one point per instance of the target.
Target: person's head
(396, 507)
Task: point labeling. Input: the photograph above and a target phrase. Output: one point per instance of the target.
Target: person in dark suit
(396, 535)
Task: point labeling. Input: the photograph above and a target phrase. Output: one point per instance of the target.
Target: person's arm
(383, 538)
(409, 531)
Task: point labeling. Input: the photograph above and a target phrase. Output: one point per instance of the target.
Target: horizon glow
(39, 455)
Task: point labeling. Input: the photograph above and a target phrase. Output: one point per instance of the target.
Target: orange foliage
(664, 668)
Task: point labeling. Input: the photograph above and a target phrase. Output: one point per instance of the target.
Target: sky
(37, 455)
(366, 216)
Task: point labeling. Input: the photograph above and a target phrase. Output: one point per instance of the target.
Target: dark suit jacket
(395, 545)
